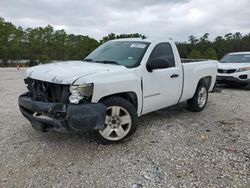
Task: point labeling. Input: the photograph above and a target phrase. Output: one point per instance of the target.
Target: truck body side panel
(193, 73)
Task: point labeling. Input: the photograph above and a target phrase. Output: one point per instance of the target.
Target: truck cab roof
(150, 40)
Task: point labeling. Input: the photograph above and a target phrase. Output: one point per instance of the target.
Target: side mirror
(157, 64)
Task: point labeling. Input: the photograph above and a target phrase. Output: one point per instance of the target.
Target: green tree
(195, 54)
(204, 38)
(229, 36)
(113, 36)
(44, 44)
(193, 40)
(210, 53)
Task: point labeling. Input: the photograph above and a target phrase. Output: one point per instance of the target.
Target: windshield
(126, 53)
(236, 58)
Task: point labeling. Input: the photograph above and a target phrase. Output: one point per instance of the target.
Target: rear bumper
(46, 116)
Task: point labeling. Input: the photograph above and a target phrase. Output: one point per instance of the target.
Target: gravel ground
(171, 148)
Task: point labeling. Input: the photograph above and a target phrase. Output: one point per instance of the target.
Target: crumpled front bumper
(60, 117)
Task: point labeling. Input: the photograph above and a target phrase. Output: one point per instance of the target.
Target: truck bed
(193, 71)
(183, 60)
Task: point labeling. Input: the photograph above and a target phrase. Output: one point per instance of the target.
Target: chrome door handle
(174, 76)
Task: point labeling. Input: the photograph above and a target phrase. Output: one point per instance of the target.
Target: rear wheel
(199, 100)
(121, 121)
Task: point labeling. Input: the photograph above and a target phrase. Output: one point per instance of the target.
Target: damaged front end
(47, 107)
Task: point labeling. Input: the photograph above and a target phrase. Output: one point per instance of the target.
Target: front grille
(47, 92)
(230, 71)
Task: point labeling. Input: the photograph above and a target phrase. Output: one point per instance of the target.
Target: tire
(200, 98)
(247, 87)
(121, 121)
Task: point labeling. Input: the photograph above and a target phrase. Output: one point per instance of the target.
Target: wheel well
(130, 96)
(207, 80)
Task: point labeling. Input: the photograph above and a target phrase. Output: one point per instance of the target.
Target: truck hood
(69, 71)
(227, 66)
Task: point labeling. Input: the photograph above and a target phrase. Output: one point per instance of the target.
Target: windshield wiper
(88, 60)
(108, 62)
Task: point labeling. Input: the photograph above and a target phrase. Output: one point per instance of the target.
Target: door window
(163, 51)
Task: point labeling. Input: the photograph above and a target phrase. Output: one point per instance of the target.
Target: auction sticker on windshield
(138, 45)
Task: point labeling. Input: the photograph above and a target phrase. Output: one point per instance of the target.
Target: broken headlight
(80, 92)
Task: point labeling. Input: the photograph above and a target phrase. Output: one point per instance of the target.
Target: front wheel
(121, 121)
(199, 100)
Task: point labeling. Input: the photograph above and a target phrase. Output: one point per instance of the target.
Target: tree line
(44, 44)
(202, 48)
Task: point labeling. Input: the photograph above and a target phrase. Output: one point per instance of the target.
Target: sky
(176, 19)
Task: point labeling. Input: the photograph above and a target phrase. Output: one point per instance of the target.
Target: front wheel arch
(129, 96)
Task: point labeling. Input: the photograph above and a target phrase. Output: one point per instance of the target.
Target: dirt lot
(172, 147)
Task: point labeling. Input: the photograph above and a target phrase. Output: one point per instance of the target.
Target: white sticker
(138, 45)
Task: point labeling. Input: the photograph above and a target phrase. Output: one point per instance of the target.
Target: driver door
(161, 87)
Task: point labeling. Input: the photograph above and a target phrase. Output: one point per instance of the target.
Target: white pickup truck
(114, 85)
(234, 68)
